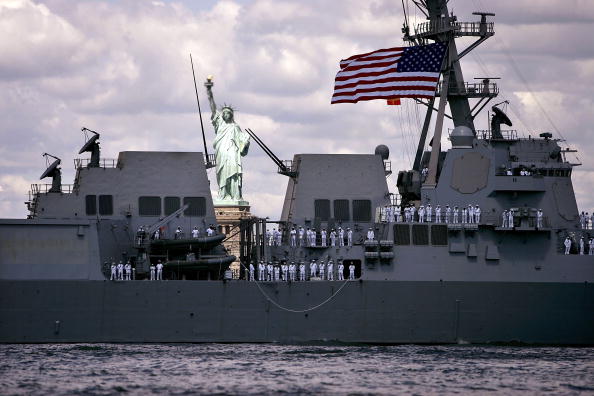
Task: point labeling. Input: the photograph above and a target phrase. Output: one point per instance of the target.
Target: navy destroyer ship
(513, 273)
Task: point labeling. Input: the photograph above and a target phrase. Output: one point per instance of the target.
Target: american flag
(402, 72)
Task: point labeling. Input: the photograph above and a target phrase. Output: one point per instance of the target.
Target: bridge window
(197, 206)
(171, 205)
(341, 210)
(361, 210)
(322, 209)
(106, 205)
(91, 205)
(149, 206)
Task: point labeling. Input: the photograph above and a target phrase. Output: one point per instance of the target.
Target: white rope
(295, 310)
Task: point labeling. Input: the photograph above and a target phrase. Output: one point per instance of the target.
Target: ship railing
(288, 168)
(37, 189)
(80, 163)
(472, 90)
(507, 134)
(443, 25)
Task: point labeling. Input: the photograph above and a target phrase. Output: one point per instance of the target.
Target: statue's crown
(228, 107)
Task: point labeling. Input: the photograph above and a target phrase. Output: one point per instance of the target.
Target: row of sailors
(507, 218)
(470, 214)
(290, 272)
(586, 221)
(309, 237)
(179, 233)
(121, 271)
(582, 246)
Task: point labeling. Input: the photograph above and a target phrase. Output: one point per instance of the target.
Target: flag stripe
(389, 73)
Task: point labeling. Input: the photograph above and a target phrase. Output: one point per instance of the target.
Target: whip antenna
(208, 163)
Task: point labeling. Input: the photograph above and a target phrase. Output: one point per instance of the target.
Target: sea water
(140, 369)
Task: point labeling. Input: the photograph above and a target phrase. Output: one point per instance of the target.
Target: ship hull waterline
(387, 312)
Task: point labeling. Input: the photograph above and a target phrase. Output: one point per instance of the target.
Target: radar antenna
(92, 146)
(499, 117)
(54, 172)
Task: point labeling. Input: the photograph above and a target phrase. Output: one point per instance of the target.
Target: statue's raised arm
(208, 84)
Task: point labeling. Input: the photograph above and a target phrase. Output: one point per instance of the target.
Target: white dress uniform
(349, 237)
(323, 236)
(567, 244)
(470, 212)
(120, 271)
(261, 271)
(270, 271)
(313, 269)
(113, 272)
(429, 212)
(292, 270)
(421, 214)
(456, 213)
(448, 214)
(332, 238)
(582, 246)
(159, 271)
(272, 237)
(276, 273)
(252, 270)
(195, 232)
(279, 237)
(591, 247)
(504, 219)
(330, 270)
(352, 272)
(314, 237)
(157, 234)
(268, 237)
(302, 272)
(592, 221)
(370, 234)
(398, 215)
(321, 269)
(340, 237)
(340, 271)
(293, 234)
(152, 272)
(464, 215)
(477, 214)
(301, 235)
(539, 218)
(438, 214)
(178, 233)
(128, 269)
(210, 231)
(285, 272)
(510, 218)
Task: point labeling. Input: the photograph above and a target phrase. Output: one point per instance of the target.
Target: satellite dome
(383, 151)
(462, 137)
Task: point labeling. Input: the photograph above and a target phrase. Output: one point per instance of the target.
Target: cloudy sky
(122, 68)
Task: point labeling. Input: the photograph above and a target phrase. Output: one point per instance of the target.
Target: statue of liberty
(230, 144)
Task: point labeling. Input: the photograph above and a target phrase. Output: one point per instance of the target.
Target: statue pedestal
(228, 215)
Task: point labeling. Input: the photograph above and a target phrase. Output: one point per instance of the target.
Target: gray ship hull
(237, 311)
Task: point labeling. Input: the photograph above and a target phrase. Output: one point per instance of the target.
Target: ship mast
(444, 27)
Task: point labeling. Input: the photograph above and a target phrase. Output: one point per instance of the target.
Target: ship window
(439, 234)
(401, 234)
(361, 210)
(91, 205)
(420, 233)
(197, 206)
(106, 205)
(341, 210)
(171, 205)
(149, 206)
(322, 209)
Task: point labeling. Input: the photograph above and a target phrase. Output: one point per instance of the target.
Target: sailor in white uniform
(293, 237)
(285, 272)
(370, 234)
(152, 268)
(429, 212)
(321, 269)
(398, 214)
(448, 214)
(539, 215)
(421, 214)
(272, 237)
(301, 235)
(276, 272)
(157, 234)
(113, 271)
(413, 211)
(330, 270)
(323, 236)
(261, 275)
(159, 270)
(438, 214)
(210, 231)
(510, 218)
(340, 236)
(477, 214)
(567, 244)
(195, 232)
(504, 218)
(464, 215)
(270, 271)
(313, 269)
(591, 247)
(340, 271)
(279, 237)
(332, 238)
(314, 237)
(407, 214)
(302, 271)
(470, 212)
(582, 246)
(128, 269)
(120, 271)
(456, 212)
(352, 272)
(252, 270)
(178, 233)
(292, 270)
(349, 237)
